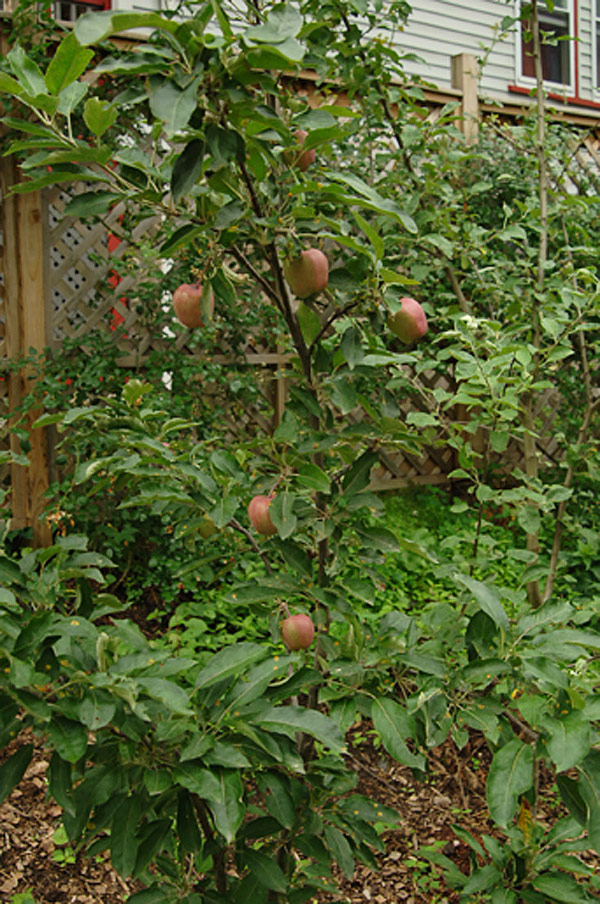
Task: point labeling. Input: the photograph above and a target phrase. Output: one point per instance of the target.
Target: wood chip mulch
(32, 857)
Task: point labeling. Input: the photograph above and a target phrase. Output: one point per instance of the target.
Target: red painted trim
(572, 99)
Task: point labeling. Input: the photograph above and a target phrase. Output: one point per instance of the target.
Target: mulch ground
(33, 859)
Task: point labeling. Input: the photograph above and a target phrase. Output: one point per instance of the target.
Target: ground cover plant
(214, 770)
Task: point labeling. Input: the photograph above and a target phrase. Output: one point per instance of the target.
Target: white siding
(586, 50)
(137, 6)
(439, 29)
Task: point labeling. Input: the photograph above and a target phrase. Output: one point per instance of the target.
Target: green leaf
(230, 213)
(91, 203)
(569, 741)
(589, 787)
(26, 71)
(167, 692)
(94, 27)
(69, 173)
(283, 22)
(289, 720)
(394, 725)
(560, 887)
(313, 477)
(181, 237)
(266, 870)
(60, 782)
(95, 711)
(371, 234)
(225, 145)
(123, 834)
(340, 848)
(13, 770)
(552, 612)
(278, 799)
(510, 776)
(296, 558)
(253, 685)
(227, 804)
(187, 168)
(571, 796)
(99, 115)
(343, 394)
(226, 755)
(68, 738)
(487, 598)
(174, 106)
(69, 61)
(310, 323)
(441, 243)
(151, 839)
(187, 827)
(358, 475)
(282, 515)
(529, 519)
(154, 895)
(229, 661)
(71, 96)
(351, 347)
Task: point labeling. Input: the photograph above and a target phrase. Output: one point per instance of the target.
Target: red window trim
(571, 99)
(574, 98)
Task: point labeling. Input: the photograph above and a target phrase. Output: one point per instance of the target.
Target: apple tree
(220, 776)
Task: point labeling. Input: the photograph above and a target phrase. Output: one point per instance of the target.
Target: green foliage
(186, 753)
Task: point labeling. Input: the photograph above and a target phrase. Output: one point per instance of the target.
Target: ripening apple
(297, 632)
(258, 513)
(308, 274)
(187, 302)
(207, 528)
(296, 156)
(409, 323)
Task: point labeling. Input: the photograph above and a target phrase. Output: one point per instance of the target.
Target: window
(557, 55)
(69, 10)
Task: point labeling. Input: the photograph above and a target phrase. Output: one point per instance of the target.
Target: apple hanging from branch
(308, 274)
(187, 303)
(258, 513)
(410, 322)
(297, 632)
(298, 157)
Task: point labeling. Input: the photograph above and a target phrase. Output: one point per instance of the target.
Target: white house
(440, 29)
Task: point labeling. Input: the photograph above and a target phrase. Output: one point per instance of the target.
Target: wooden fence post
(465, 74)
(24, 219)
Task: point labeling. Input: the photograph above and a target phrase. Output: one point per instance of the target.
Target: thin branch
(255, 274)
(456, 288)
(339, 312)
(252, 540)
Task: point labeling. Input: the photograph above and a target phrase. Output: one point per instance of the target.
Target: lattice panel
(81, 266)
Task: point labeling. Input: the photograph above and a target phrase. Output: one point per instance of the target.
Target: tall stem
(529, 443)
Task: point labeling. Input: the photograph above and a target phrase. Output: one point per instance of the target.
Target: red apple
(187, 302)
(409, 323)
(260, 519)
(299, 158)
(297, 632)
(308, 274)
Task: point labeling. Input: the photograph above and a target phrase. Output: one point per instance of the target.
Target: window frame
(570, 87)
